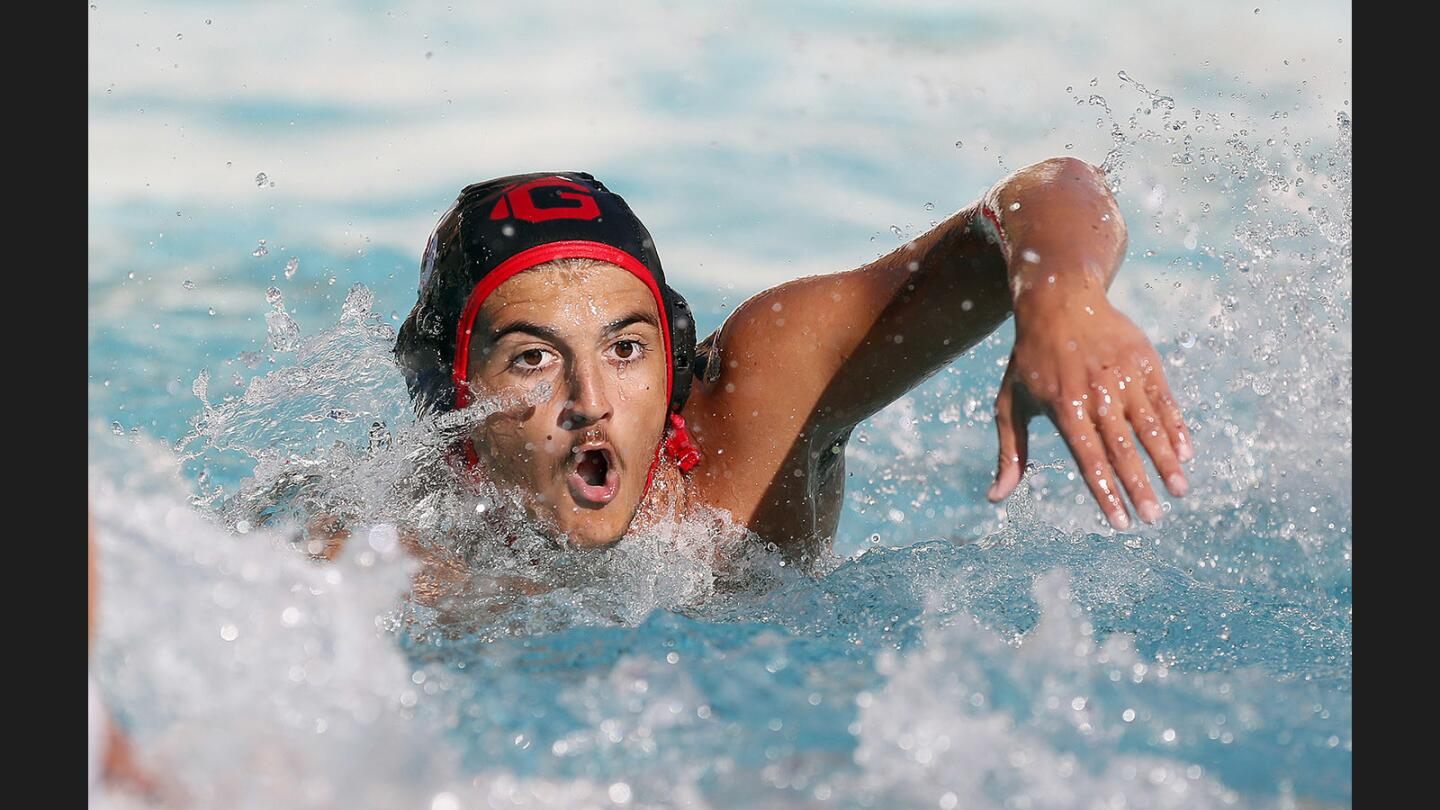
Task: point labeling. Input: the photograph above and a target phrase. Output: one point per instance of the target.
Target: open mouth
(593, 479)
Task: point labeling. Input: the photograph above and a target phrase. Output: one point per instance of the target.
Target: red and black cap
(502, 227)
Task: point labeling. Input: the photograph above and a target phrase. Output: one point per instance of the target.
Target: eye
(627, 350)
(531, 360)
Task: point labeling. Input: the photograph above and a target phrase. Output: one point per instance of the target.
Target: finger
(1110, 419)
(1012, 424)
(1156, 441)
(1083, 439)
(1158, 390)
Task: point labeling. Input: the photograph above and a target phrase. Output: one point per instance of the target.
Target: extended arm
(821, 354)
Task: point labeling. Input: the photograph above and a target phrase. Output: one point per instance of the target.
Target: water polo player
(546, 290)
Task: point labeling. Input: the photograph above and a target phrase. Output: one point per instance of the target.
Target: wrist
(1051, 292)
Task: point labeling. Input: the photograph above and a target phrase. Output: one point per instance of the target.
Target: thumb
(1013, 429)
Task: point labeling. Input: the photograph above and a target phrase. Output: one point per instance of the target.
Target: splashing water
(966, 658)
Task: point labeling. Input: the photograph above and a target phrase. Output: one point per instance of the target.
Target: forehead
(566, 297)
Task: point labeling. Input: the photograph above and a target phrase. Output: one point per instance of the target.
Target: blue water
(952, 653)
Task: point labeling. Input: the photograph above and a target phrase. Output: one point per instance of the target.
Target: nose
(587, 401)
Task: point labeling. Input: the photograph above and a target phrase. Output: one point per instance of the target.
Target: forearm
(1059, 230)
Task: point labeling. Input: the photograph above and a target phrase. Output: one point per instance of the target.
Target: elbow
(1067, 168)
(1047, 175)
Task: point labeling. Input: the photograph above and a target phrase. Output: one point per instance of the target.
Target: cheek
(644, 415)
(515, 441)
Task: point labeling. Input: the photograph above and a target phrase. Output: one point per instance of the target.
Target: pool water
(951, 653)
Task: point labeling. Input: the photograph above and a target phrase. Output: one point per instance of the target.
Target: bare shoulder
(769, 456)
(758, 376)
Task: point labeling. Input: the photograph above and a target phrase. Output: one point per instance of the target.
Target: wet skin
(796, 367)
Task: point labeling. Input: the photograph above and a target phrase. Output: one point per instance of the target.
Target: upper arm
(825, 352)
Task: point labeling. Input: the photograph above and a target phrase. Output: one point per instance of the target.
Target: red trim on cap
(526, 259)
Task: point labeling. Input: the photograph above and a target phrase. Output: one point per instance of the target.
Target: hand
(1087, 367)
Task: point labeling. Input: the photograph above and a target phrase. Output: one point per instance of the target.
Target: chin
(594, 533)
(587, 538)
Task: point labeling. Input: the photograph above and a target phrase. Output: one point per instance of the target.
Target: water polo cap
(502, 227)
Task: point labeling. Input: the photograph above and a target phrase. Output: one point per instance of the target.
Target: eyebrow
(543, 332)
(634, 317)
(546, 333)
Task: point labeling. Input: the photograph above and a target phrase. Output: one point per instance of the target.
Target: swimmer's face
(581, 454)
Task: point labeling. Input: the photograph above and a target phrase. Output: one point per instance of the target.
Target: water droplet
(1187, 339)
(188, 284)
(291, 266)
(261, 179)
(117, 429)
(1015, 206)
(959, 144)
(260, 249)
(207, 22)
(284, 332)
(130, 275)
(895, 229)
(230, 632)
(1094, 81)
(229, 163)
(929, 206)
(212, 310)
(179, 36)
(201, 386)
(1124, 77)
(358, 302)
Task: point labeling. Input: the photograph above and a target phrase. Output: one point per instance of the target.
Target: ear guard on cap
(682, 347)
(427, 371)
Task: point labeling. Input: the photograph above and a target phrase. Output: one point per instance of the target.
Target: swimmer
(547, 291)
(112, 764)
